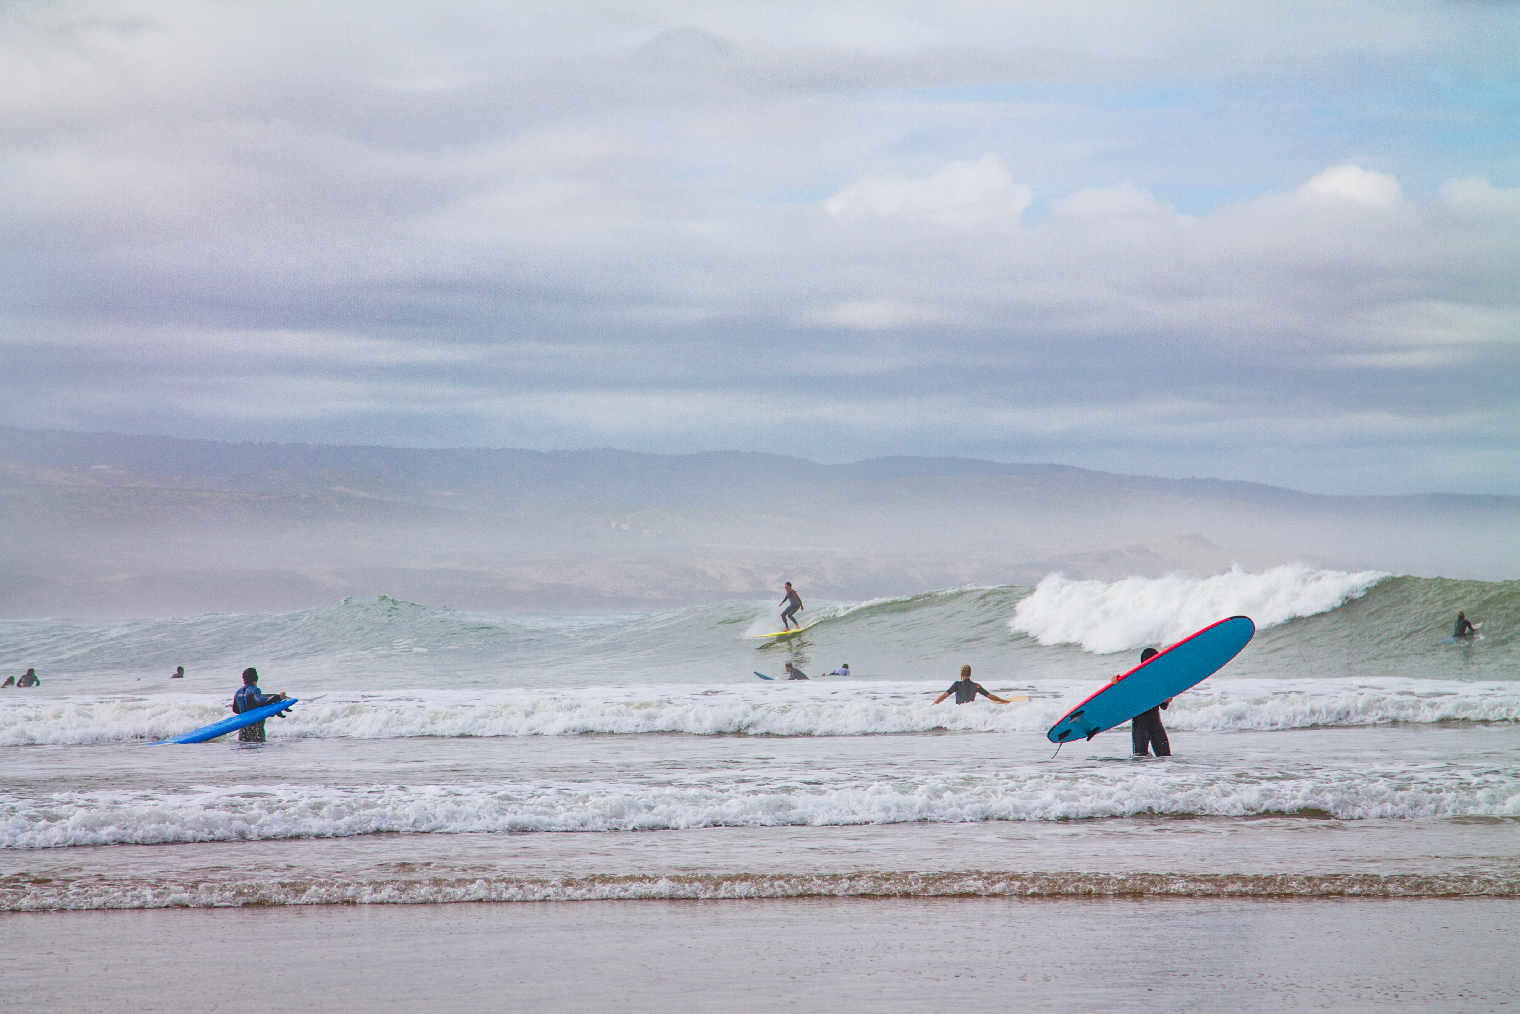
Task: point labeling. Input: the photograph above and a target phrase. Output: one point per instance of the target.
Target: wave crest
(1107, 617)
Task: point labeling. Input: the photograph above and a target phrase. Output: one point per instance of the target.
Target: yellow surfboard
(786, 633)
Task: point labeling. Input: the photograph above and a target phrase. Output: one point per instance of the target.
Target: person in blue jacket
(246, 699)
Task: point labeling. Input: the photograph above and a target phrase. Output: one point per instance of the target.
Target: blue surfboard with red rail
(1165, 675)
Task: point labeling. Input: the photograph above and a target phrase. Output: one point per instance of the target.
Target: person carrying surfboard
(965, 691)
(793, 602)
(1145, 729)
(247, 698)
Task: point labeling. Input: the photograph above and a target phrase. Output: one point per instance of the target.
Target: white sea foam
(777, 797)
(817, 709)
(26, 894)
(1106, 617)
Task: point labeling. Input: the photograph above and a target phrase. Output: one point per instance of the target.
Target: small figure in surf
(1146, 731)
(1465, 626)
(10, 681)
(179, 673)
(247, 698)
(793, 673)
(29, 679)
(843, 670)
(965, 691)
(793, 603)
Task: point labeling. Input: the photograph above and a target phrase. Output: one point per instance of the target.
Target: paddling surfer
(179, 673)
(1146, 731)
(1464, 627)
(793, 673)
(793, 603)
(247, 698)
(965, 691)
(29, 679)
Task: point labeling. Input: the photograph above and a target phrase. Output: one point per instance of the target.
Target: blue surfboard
(232, 724)
(763, 676)
(1165, 675)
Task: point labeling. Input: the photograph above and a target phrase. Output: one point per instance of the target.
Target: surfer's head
(789, 584)
(965, 672)
(250, 675)
(1461, 615)
(1148, 654)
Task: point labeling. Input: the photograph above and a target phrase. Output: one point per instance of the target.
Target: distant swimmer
(843, 670)
(29, 679)
(965, 691)
(247, 698)
(1146, 731)
(179, 673)
(793, 673)
(1465, 627)
(10, 681)
(793, 602)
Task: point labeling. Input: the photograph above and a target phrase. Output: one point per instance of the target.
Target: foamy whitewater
(1352, 707)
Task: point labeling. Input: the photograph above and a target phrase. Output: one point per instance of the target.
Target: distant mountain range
(111, 524)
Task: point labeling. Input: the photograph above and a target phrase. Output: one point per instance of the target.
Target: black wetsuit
(10, 681)
(1147, 733)
(29, 680)
(247, 698)
(793, 603)
(1464, 627)
(965, 691)
(796, 674)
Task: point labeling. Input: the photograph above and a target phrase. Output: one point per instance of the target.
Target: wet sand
(789, 955)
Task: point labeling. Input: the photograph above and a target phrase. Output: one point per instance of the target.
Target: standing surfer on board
(965, 691)
(793, 602)
(247, 698)
(1146, 731)
(1465, 626)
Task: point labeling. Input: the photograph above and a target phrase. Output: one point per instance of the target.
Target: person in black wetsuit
(10, 681)
(179, 673)
(793, 673)
(965, 691)
(247, 698)
(1146, 731)
(1464, 626)
(793, 602)
(29, 679)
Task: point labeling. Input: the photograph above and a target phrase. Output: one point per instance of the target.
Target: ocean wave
(25, 894)
(877, 709)
(779, 798)
(1107, 617)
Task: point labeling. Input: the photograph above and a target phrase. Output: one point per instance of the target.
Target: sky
(1277, 242)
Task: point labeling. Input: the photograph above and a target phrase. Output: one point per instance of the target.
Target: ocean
(1352, 751)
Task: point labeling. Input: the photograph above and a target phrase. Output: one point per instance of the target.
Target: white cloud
(1124, 201)
(1354, 183)
(1474, 192)
(962, 193)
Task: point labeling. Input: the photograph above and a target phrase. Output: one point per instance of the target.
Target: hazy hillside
(120, 525)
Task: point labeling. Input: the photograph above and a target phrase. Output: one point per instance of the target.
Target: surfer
(29, 679)
(793, 673)
(247, 698)
(843, 670)
(1465, 627)
(10, 681)
(793, 602)
(179, 673)
(1146, 731)
(965, 691)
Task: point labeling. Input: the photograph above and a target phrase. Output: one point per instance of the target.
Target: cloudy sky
(1275, 242)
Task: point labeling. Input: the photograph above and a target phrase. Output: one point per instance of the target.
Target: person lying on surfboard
(793, 602)
(247, 698)
(965, 691)
(1145, 729)
(843, 670)
(793, 673)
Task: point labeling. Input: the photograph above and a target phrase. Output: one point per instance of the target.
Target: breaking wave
(1136, 611)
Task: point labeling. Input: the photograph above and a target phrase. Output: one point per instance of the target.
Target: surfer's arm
(939, 698)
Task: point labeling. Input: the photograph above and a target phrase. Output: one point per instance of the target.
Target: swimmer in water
(965, 691)
(1465, 626)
